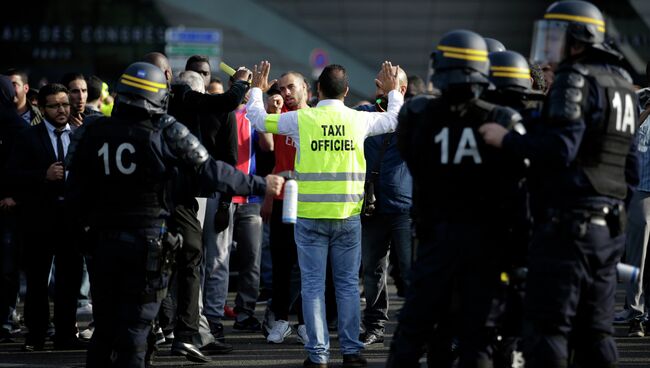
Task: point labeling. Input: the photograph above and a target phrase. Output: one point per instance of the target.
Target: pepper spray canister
(290, 202)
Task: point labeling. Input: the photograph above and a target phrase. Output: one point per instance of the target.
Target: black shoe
(216, 329)
(309, 364)
(354, 360)
(159, 336)
(370, 338)
(265, 295)
(70, 344)
(33, 346)
(216, 347)
(637, 329)
(249, 324)
(189, 351)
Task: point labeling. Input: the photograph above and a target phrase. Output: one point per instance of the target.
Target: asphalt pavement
(252, 350)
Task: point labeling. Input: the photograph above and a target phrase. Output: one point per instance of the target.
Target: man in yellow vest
(330, 168)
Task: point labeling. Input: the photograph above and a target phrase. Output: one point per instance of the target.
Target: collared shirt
(65, 137)
(374, 122)
(27, 116)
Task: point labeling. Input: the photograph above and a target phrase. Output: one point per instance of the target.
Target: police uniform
(579, 155)
(461, 205)
(121, 169)
(511, 77)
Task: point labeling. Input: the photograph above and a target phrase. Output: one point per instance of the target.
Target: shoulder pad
(183, 143)
(166, 120)
(418, 103)
(415, 106)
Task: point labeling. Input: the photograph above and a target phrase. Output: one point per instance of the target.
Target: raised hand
(242, 74)
(388, 77)
(261, 76)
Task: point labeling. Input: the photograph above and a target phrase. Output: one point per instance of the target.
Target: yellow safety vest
(331, 167)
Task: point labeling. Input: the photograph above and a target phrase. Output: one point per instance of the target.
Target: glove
(222, 217)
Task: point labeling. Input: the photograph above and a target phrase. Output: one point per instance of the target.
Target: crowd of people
(497, 194)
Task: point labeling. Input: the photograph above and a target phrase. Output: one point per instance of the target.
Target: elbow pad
(567, 97)
(185, 145)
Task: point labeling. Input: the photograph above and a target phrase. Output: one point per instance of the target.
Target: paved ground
(251, 350)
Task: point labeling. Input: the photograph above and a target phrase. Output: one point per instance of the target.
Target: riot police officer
(510, 75)
(458, 204)
(578, 157)
(494, 45)
(121, 169)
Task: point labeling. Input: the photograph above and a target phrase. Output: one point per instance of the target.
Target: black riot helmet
(494, 45)
(509, 70)
(461, 57)
(565, 23)
(144, 86)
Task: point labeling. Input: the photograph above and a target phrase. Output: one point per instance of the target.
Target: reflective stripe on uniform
(340, 176)
(453, 55)
(330, 197)
(600, 24)
(510, 75)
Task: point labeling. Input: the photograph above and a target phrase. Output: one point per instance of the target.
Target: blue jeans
(340, 240)
(382, 232)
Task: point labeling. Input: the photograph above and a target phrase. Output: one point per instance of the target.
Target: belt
(594, 216)
(598, 220)
(122, 236)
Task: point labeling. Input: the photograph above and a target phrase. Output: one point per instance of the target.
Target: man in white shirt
(330, 169)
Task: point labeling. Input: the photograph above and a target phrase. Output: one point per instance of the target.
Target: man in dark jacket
(26, 110)
(388, 226)
(10, 124)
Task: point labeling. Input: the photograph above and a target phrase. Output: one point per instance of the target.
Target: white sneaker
(279, 331)
(87, 334)
(301, 332)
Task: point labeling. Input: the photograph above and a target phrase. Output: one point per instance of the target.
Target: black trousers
(9, 265)
(570, 296)
(283, 257)
(187, 274)
(60, 241)
(124, 302)
(455, 263)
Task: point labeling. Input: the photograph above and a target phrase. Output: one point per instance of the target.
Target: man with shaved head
(388, 227)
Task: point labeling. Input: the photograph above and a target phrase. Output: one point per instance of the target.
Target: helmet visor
(549, 40)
